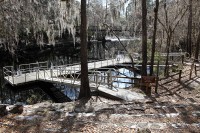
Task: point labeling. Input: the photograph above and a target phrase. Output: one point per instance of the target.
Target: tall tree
(154, 36)
(197, 47)
(189, 34)
(85, 89)
(144, 38)
(169, 26)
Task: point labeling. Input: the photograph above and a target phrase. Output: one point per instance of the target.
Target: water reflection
(25, 97)
(124, 81)
(121, 78)
(69, 90)
(114, 78)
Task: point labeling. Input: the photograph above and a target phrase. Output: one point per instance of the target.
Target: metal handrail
(96, 77)
(8, 71)
(43, 68)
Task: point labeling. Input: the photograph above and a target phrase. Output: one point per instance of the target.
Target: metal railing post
(108, 77)
(39, 73)
(112, 61)
(51, 72)
(60, 70)
(111, 79)
(57, 71)
(74, 74)
(25, 77)
(96, 79)
(12, 75)
(36, 71)
(44, 75)
(71, 75)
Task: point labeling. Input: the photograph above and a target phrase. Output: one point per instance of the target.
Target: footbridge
(45, 71)
(70, 75)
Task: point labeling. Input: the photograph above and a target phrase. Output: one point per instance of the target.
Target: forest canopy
(44, 20)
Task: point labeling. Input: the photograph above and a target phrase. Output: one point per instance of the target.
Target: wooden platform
(53, 75)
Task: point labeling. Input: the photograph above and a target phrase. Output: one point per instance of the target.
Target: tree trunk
(85, 89)
(197, 47)
(144, 38)
(166, 72)
(154, 37)
(189, 34)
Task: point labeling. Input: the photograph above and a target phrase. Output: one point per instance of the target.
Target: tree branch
(163, 25)
(179, 20)
(109, 27)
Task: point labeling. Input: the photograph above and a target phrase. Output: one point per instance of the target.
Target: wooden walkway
(40, 71)
(70, 75)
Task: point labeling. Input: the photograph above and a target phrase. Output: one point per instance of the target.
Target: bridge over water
(70, 75)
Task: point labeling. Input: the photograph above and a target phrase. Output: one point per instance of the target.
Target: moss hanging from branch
(36, 18)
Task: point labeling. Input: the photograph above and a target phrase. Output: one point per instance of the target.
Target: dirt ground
(175, 109)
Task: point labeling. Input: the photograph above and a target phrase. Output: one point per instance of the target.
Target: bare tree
(189, 34)
(197, 47)
(169, 26)
(154, 36)
(144, 38)
(85, 89)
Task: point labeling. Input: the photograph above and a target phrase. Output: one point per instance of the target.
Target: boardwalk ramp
(55, 74)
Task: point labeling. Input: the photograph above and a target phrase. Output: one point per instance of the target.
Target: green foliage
(158, 57)
(33, 99)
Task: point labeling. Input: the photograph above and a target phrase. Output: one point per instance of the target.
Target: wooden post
(157, 78)
(192, 67)
(182, 59)
(179, 79)
(195, 69)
